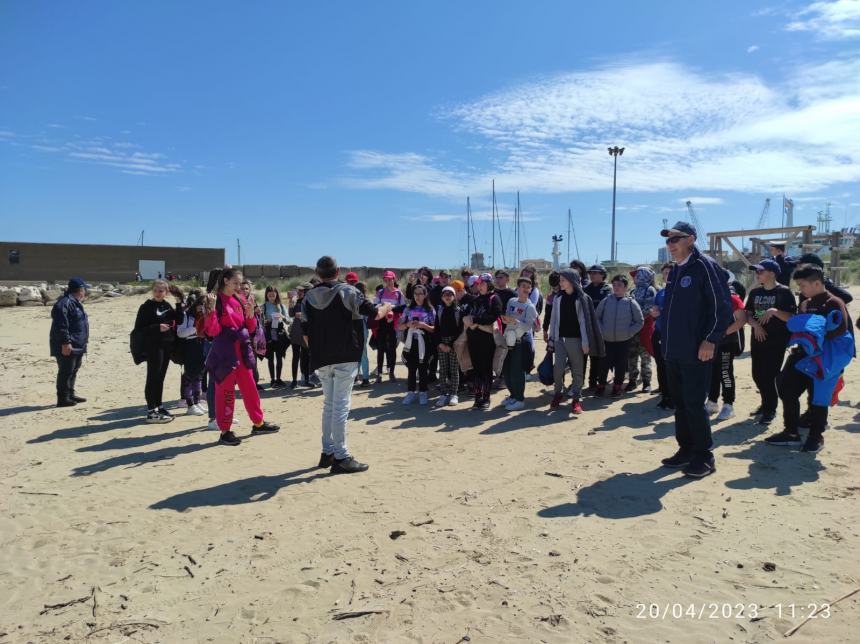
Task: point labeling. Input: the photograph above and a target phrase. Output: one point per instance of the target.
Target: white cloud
(752, 48)
(702, 201)
(682, 129)
(836, 20)
(122, 156)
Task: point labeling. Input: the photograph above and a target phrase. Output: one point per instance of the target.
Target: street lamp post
(614, 152)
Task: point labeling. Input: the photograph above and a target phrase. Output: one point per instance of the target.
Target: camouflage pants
(636, 354)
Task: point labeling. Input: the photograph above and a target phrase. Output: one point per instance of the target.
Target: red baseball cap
(351, 278)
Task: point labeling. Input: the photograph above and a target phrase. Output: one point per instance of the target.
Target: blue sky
(359, 129)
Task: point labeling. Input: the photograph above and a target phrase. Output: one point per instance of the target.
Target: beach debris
(352, 614)
(188, 570)
(554, 553)
(465, 638)
(768, 566)
(191, 559)
(49, 607)
(417, 524)
(555, 474)
(127, 628)
(553, 620)
(396, 534)
(259, 536)
(794, 629)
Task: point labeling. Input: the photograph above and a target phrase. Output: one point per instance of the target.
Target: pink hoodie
(232, 316)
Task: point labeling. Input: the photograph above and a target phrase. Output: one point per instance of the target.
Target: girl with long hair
(230, 322)
(275, 320)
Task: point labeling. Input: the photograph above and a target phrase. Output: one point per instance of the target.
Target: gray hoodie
(620, 318)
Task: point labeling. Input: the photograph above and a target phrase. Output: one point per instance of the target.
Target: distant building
(543, 265)
(26, 261)
(477, 261)
(662, 255)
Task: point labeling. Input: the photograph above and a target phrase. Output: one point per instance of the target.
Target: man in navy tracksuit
(70, 332)
(697, 310)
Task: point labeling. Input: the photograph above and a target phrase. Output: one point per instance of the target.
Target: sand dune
(518, 527)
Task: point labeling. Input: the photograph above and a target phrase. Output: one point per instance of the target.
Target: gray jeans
(569, 350)
(337, 381)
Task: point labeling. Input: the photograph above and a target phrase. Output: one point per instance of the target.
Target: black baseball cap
(680, 228)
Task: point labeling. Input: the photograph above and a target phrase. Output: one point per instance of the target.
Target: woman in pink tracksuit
(230, 322)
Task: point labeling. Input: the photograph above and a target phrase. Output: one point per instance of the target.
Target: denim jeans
(365, 363)
(337, 381)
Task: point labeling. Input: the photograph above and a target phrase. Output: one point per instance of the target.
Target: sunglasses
(674, 239)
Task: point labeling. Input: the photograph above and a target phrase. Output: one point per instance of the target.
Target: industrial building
(27, 261)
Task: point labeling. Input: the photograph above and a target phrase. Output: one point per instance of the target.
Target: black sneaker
(66, 402)
(631, 386)
(679, 459)
(378, 380)
(347, 465)
(155, 417)
(484, 404)
(392, 377)
(646, 388)
(805, 420)
(756, 412)
(784, 439)
(699, 468)
(326, 460)
(164, 412)
(77, 399)
(229, 438)
(365, 383)
(265, 428)
(813, 444)
(293, 384)
(766, 419)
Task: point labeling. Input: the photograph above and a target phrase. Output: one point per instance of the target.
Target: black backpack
(137, 346)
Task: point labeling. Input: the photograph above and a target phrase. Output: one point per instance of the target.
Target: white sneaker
(515, 405)
(194, 410)
(422, 398)
(507, 401)
(726, 412)
(213, 424)
(443, 400)
(453, 400)
(409, 398)
(711, 407)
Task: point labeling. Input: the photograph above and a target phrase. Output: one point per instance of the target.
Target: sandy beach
(524, 527)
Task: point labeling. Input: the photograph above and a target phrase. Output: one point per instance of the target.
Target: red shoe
(576, 407)
(556, 401)
(616, 391)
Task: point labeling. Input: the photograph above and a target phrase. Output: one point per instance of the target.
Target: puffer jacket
(620, 318)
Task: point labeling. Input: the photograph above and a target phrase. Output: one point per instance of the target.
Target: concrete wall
(99, 263)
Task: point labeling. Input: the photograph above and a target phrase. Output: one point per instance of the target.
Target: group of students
(474, 334)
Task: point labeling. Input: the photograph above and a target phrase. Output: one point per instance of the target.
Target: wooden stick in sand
(793, 630)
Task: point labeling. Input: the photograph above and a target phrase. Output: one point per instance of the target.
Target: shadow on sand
(621, 496)
(250, 490)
